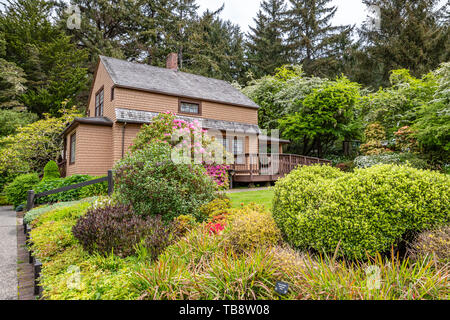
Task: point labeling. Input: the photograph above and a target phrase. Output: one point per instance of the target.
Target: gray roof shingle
(171, 82)
(137, 116)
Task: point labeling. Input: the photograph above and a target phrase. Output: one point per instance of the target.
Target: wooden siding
(147, 101)
(102, 78)
(93, 154)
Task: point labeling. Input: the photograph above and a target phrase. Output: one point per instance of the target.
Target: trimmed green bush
(51, 171)
(365, 212)
(250, 229)
(154, 185)
(16, 191)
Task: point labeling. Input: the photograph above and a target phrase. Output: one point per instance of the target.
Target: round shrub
(154, 185)
(51, 171)
(118, 230)
(16, 191)
(250, 229)
(365, 212)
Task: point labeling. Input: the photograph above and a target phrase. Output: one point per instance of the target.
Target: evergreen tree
(266, 48)
(52, 65)
(108, 27)
(12, 84)
(413, 35)
(178, 35)
(215, 48)
(313, 41)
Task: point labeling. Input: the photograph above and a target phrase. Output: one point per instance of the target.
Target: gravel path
(8, 254)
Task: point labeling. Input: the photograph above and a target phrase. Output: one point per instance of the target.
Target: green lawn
(260, 197)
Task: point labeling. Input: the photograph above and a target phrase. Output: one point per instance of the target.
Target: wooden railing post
(30, 200)
(110, 183)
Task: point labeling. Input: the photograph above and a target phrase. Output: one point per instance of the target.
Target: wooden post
(110, 183)
(251, 162)
(230, 178)
(37, 273)
(30, 200)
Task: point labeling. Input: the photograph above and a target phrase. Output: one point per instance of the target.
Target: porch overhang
(143, 117)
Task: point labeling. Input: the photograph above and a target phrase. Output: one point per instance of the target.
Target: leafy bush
(154, 185)
(367, 211)
(71, 195)
(51, 171)
(375, 137)
(409, 159)
(434, 244)
(118, 230)
(100, 278)
(183, 224)
(72, 212)
(94, 190)
(216, 207)
(51, 238)
(11, 119)
(37, 211)
(16, 191)
(33, 146)
(251, 229)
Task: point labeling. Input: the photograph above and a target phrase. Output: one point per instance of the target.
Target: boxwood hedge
(367, 211)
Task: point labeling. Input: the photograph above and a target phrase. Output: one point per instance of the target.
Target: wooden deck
(268, 167)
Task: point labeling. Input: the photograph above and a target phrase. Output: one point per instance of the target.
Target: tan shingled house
(125, 95)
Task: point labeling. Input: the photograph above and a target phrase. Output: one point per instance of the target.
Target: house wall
(93, 154)
(147, 101)
(102, 78)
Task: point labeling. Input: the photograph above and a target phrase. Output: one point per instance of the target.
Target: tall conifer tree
(313, 41)
(266, 48)
(412, 34)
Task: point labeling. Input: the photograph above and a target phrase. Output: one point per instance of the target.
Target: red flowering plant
(215, 228)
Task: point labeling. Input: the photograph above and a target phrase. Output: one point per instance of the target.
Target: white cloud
(242, 12)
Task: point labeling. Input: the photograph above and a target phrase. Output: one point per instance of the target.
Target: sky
(242, 12)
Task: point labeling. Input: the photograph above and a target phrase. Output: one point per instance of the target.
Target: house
(126, 95)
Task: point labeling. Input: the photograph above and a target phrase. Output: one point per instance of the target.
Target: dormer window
(99, 103)
(189, 107)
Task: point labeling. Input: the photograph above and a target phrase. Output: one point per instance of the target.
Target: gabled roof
(176, 83)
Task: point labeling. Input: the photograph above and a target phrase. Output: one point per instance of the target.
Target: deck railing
(271, 164)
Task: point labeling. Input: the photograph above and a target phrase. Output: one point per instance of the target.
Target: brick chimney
(172, 61)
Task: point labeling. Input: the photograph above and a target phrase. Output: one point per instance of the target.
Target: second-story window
(99, 103)
(190, 107)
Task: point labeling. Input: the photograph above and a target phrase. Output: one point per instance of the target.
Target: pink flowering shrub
(189, 141)
(219, 173)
